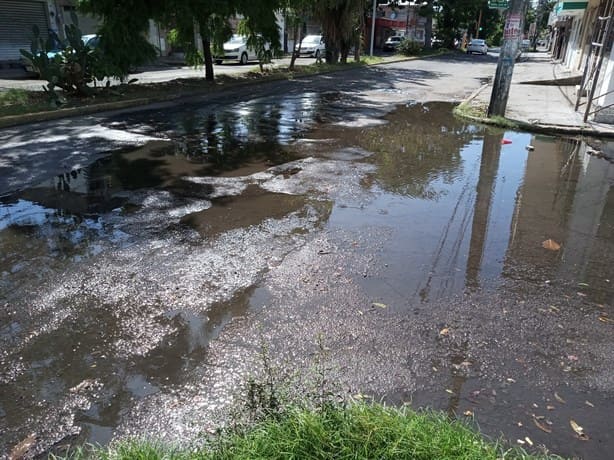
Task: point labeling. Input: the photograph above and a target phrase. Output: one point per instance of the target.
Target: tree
(340, 21)
(296, 11)
(427, 11)
(454, 16)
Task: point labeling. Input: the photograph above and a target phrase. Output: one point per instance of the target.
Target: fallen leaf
(541, 426)
(558, 398)
(468, 413)
(553, 308)
(583, 284)
(449, 391)
(510, 380)
(605, 319)
(444, 332)
(379, 305)
(535, 406)
(528, 440)
(581, 294)
(520, 441)
(550, 407)
(579, 430)
(21, 449)
(588, 403)
(551, 245)
(519, 424)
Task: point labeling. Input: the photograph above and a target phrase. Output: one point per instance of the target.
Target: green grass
(478, 112)
(357, 431)
(20, 101)
(13, 96)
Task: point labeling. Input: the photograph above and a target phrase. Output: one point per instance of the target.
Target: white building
(574, 25)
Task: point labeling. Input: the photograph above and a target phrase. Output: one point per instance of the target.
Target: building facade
(576, 27)
(18, 17)
(399, 19)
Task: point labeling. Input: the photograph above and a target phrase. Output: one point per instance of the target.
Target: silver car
(477, 45)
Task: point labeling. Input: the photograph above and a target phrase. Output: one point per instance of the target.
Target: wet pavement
(440, 263)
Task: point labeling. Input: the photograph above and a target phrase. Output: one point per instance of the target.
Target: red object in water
(506, 141)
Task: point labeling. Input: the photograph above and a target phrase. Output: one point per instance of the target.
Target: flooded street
(443, 264)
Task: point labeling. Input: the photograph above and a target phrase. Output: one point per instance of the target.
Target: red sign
(512, 27)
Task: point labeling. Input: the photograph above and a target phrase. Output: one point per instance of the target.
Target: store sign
(569, 7)
(498, 4)
(512, 27)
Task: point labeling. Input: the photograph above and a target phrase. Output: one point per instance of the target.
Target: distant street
(150, 74)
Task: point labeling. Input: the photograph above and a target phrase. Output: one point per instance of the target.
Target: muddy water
(135, 290)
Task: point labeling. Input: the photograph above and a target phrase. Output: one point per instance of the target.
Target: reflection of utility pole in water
(489, 165)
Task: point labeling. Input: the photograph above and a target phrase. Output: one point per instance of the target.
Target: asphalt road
(367, 249)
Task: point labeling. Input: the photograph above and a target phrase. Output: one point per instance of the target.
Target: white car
(236, 49)
(312, 45)
(477, 45)
(392, 43)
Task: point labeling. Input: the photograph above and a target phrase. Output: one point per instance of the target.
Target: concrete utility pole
(373, 27)
(507, 56)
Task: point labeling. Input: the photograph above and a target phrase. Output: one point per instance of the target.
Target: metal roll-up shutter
(16, 21)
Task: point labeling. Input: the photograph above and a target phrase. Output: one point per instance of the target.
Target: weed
(13, 97)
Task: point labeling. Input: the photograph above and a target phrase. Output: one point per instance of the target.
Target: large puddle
(116, 278)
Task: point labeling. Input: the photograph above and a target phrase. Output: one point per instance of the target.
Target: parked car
(392, 43)
(236, 49)
(57, 47)
(477, 45)
(312, 45)
(91, 40)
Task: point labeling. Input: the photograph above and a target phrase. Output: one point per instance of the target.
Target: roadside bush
(409, 47)
(72, 69)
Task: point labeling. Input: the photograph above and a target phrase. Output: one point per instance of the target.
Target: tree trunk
(208, 59)
(428, 26)
(295, 51)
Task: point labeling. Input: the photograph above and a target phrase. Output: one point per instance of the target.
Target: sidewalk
(544, 106)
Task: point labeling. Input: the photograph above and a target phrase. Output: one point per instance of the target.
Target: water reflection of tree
(228, 140)
(419, 145)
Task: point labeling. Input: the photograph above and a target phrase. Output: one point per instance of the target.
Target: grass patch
(358, 431)
(471, 110)
(478, 112)
(20, 101)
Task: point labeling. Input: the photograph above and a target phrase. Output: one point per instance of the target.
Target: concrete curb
(16, 120)
(539, 128)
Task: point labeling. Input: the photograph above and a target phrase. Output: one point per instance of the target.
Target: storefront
(17, 19)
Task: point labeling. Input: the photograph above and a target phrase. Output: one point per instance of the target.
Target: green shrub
(409, 47)
(71, 69)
